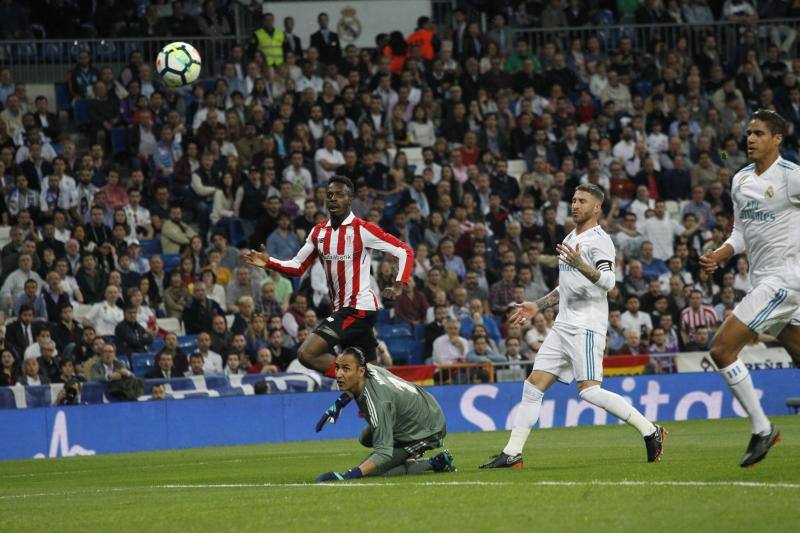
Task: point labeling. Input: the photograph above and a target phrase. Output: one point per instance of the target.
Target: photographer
(71, 393)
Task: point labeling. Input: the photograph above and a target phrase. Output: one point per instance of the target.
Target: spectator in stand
(411, 305)
(197, 316)
(697, 315)
(212, 361)
(163, 369)
(196, 363)
(175, 234)
(104, 316)
(32, 374)
(130, 336)
(179, 360)
(450, 347)
(108, 368)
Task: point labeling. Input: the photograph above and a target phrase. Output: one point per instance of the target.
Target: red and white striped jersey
(346, 261)
(691, 319)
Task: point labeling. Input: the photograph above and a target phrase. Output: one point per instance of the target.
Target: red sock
(331, 372)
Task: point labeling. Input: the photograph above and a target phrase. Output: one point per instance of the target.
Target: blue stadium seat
(119, 140)
(142, 362)
(383, 316)
(405, 350)
(105, 51)
(157, 344)
(393, 331)
(53, 52)
(63, 100)
(150, 246)
(236, 234)
(26, 53)
(82, 112)
(187, 342)
(643, 88)
(171, 261)
(419, 331)
(77, 47)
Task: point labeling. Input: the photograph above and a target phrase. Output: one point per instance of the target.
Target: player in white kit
(766, 203)
(574, 347)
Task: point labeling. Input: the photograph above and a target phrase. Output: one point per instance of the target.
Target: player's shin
(527, 415)
(617, 406)
(739, 381)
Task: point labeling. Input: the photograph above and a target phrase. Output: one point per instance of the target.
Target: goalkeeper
(404, 421)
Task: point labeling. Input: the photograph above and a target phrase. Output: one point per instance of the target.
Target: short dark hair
(776, 124)
(361, 359)
(344, 180)
(596, 192)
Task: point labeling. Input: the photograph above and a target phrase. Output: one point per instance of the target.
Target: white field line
(596, 483)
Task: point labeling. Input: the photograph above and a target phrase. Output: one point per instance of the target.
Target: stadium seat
(157, 344)
(384, 316)
(170, 324)
(150, 247)
(405, 350)
(105, 51)
(187, 342)
(419, 331)
(26, 53)
(142, 362)
(80, 311)
(78, 47)
(53, 52)
(643, 88)
(119, 141)
(517, 167)
(391, 331)
(171, 262)
(63, 100)
(82, 112)
(236, 234)
(5, 235)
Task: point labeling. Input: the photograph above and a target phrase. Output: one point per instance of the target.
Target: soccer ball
(178, 64)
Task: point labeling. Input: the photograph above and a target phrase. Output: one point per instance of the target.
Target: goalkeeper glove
(353, 473)
(332, 413)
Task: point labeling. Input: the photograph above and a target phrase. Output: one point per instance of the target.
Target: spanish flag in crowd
(624, 365)
(420, 374)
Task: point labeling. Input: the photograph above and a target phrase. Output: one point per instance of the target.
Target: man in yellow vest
(269, 41)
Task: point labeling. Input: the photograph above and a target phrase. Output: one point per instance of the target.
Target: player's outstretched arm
(254, 258)
(711, 260)
(527, 310)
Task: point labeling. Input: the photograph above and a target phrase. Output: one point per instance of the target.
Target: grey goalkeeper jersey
(399, 412)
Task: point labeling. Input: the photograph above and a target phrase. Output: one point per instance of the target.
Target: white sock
(526, 417)
(617, 406)
(741, 384)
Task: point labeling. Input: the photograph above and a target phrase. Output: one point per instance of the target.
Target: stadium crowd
(243, 161)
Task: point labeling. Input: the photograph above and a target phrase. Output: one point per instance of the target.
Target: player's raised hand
(525, 311)
(254, 258)
(709, 262)
(568, 255)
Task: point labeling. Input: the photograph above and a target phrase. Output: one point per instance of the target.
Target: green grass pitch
(587, 478)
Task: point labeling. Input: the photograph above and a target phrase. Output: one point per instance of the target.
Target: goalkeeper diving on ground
(403, 421)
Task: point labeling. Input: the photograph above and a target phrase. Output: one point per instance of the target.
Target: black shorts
(351, 327)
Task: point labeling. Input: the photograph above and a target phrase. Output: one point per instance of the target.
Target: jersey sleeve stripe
(396, 247)
(301, 262)
(357, 252)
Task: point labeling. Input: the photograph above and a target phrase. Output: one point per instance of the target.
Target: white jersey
(766, 221)
(581, 303)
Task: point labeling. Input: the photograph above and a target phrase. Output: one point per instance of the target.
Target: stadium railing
(461, 373)
(49, 61)
(644, 36)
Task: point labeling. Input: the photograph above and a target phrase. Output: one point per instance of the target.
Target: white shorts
(569, 354)
(769, 308)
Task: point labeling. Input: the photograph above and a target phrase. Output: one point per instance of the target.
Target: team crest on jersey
(769, 193)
